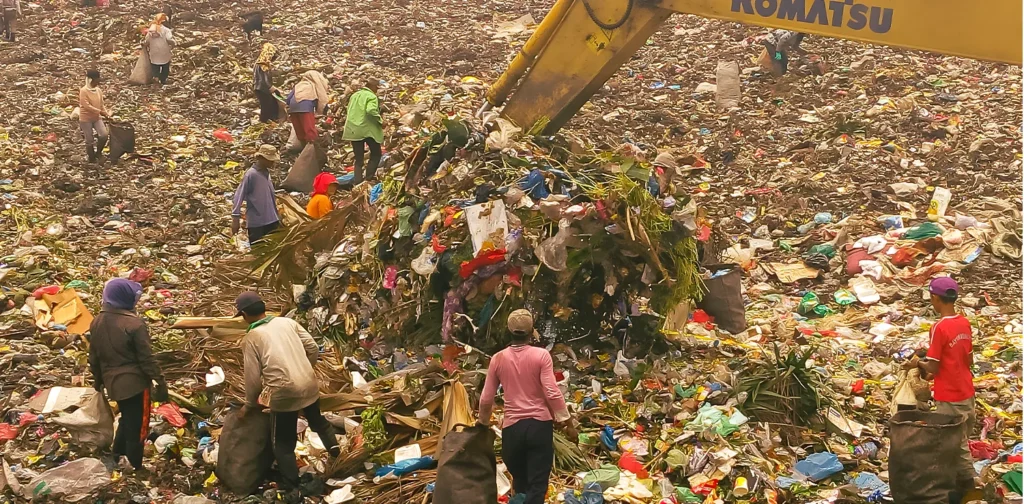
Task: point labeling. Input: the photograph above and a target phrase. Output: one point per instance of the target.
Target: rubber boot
(100, 144)
(90, 153)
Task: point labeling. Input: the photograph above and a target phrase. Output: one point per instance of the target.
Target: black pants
(371, 169)
(269, 106)
(161, 71)
(528, 450)
(285, 438)
(257, 233)
(133, 428)
(8, 24)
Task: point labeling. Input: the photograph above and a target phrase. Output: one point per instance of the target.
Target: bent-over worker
(121, 361)
(309, 98)
(279, 355)
(533, 404)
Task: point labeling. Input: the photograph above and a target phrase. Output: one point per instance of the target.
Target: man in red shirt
(949, 360)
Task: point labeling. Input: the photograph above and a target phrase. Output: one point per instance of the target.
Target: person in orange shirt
(324, 186)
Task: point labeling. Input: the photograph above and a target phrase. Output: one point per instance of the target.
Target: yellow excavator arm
(581, 43)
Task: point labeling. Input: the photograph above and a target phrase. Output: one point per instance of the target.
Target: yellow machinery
(581, 43)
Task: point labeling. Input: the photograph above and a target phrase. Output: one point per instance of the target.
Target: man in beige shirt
(278, 354)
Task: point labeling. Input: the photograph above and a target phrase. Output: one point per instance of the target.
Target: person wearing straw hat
(948, 362)
(279, 354)
(257, 192)
(533, 404)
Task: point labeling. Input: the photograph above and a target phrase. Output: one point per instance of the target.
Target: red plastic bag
(171, 413)
(8, 432)
(49, 289)
(223, 135)
(628, 462)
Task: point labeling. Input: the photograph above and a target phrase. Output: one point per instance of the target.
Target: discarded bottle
(940, 200)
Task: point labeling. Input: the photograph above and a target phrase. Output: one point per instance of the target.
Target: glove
(160, 394)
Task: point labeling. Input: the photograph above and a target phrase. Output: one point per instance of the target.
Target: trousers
(375, 154)
(133, 428)
(528, 450)
(285, 437)
(965, 409)
(100, 132)
(161, 71)
(257, 233)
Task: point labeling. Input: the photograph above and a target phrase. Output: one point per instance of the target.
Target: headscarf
(122, 293)
(322, 182)
(266, 56)
(313, 86)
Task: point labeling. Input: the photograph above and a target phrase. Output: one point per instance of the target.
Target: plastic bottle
(940, 200)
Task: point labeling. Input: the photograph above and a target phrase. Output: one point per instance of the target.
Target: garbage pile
(803, 215)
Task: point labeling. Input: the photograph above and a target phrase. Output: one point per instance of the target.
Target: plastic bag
(553, 251)
(73, 481)
(592, 494)
(143, 71)
(404, 467)
(903, 396)
(606, 476)
(92, 424)
(819, 466)
(293, 145)
(122, 139)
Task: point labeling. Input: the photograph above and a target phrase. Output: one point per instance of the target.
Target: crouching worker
(278, 354)
(121, 360)
(780, 46)
(324, 187)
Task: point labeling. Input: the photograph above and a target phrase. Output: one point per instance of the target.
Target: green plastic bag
(685, 496)
(922, 231)
(823, 310)
(684, 393)
(607, 476)
(808, 303)
(825, 249)
(676, 458)
(844, 297)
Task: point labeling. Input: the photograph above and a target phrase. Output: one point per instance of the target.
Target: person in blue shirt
(257, 192)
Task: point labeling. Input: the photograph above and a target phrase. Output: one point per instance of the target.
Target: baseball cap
(268, 152)
(944, 287)
(520, 322)
(246, 300)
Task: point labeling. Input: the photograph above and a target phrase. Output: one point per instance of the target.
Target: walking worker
(91, 111)
(533, 404)
(309, 98)
(949, 361)
(121, 361)
(159, 42)
(324, 186)
(257, 192)
(10, 11)
(279, 355)
(263, 84)
(364, 128)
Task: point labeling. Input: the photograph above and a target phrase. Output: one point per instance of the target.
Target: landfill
(728, 266)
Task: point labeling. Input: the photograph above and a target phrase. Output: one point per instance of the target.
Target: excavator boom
(581, 43)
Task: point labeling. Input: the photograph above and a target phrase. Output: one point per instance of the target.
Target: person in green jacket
(364, 127)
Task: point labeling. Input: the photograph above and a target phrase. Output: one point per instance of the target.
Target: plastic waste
(940, 201)
(818, 466)
(592, 494)
(71, 482)
(92, 424)
(404, 467)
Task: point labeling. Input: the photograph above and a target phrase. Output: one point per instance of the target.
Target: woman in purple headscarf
(121, 360)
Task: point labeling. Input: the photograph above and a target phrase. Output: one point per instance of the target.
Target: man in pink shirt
(533, 404)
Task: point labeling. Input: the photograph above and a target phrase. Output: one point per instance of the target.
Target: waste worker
(159, 42)
(121, 361)
(279, 355)
(257, 192)
(779, 46)
(532, 406)
(263, 85)
(91, 111)
(324, 187)
(364, 128)
(948, 362)
(10, 11)
(310, 97)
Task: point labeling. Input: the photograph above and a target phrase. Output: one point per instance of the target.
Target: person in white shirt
(159, 42)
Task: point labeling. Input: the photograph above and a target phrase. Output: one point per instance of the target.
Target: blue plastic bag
(819, 466)
(592, 494)
(405, 467)
(376, 192)
(608, 438)
(534, 186)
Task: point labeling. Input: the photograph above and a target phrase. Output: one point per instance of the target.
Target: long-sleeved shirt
(362, 119)
(257, 192)
(160, 45)
(120, 354)
(90, 104)
(527, 377)
(279, 354)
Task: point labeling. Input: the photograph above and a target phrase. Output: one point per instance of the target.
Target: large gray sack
(143, 71)
(307, 166)
(92, 424)
(727, 94)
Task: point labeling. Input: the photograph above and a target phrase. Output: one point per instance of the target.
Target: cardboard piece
(64, 308)
(789, 273)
